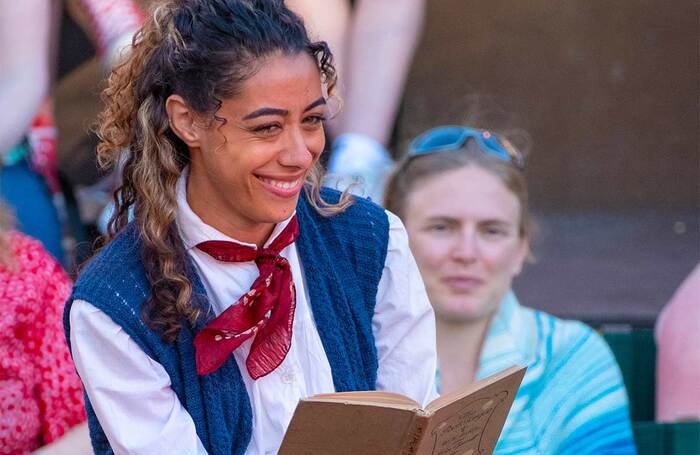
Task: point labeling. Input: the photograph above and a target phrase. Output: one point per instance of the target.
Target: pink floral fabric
(40, 393)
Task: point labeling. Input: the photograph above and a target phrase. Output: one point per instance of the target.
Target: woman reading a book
(241, 286)
(462, 194)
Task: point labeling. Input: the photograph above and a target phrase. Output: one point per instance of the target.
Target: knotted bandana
(266, 312)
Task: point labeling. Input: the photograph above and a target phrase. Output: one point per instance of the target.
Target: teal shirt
(572, 398)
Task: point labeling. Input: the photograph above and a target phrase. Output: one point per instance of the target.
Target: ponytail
(134, 130)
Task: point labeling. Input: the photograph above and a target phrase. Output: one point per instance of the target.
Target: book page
(369, 397)
(470, 421)
(444, 400)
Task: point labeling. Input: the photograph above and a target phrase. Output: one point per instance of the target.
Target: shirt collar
(193, 230)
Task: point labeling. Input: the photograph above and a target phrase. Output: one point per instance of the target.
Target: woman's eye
(314, 119)
(495, 232)
(266, 129)
(440, 228)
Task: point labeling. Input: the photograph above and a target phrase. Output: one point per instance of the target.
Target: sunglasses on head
(450, 138)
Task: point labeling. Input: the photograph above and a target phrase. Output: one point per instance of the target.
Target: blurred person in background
(25, 79)
(28, 136)
(111, 25)
(462, 195)
(41, 398)
(677, 336)
(373, 42)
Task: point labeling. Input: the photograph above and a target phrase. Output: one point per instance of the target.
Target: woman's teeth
(285, 185)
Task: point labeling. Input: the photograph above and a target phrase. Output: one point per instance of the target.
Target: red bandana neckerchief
(266, 312)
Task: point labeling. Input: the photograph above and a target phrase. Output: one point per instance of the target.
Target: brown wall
(608, 92)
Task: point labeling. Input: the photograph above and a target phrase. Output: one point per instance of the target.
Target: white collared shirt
(141, 414)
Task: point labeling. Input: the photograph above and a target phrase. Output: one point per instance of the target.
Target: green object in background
(635, 352)
(653, 438)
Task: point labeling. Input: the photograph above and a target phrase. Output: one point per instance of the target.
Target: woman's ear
(523, 255)
(183, 120)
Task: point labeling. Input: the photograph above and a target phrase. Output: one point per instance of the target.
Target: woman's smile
(284, 187)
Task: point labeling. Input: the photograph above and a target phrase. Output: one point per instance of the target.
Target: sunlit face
(463, 227)
(247, 175)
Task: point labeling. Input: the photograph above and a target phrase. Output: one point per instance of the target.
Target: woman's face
(246, 175)
(463, 227)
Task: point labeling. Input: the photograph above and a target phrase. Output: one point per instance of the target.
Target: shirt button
(288, 377)
(217, 337)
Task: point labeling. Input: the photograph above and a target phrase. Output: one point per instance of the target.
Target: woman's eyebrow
(495, 221)
(443, 219)
(319, 102)
(264, 111)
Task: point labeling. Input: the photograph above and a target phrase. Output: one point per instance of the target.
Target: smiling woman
(277, 119)
(241, 286)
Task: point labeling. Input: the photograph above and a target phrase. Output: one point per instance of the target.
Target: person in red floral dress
(41, 401)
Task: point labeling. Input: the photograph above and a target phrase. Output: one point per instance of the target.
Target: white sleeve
(130, 392)
(404, 323)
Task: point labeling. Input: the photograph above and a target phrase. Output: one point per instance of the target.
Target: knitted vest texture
(342, 257)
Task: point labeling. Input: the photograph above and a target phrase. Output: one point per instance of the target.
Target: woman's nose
(297, 152)
(465, 247)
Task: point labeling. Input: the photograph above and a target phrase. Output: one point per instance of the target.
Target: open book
(465, 422)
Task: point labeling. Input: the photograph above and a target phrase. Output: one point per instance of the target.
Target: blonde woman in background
(463, 196)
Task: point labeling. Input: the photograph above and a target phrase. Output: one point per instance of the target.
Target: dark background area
(608, 92)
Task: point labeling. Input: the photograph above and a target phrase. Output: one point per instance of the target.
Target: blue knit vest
(342, 257)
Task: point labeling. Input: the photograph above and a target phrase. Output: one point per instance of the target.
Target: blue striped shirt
(572, 399)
